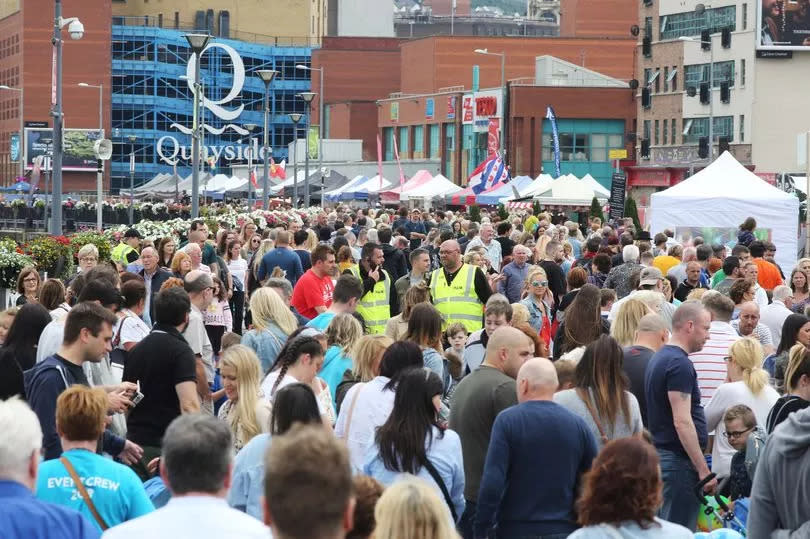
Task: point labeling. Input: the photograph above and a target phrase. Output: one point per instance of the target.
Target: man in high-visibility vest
(459, 291)
(375, 305)
(126, 252)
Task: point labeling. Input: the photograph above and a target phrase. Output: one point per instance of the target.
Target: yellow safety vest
(375, 306)
(457, 301)
(120, 252)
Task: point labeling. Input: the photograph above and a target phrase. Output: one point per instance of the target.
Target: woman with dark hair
(131, 329)
(166, 248)
(600, 395)
(622, 493)
(19, 352)
(586, 309)
(367, 405)
(52, 297)
(28, 285)
(795, 329)
(600, 267)
(412, 442)
(425, 329)
(575, 280)
(300, 361)
(746, 233)
(294, 404)
(800, 284)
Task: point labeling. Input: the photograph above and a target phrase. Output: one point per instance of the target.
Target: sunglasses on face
(539, 283)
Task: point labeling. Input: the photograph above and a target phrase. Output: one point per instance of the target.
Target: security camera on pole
(76, 31)
(103, 149)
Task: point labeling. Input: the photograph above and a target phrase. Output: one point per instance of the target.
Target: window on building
(699, 127)
(742, 128)
(388, 137)
(435, 141)
(209, 21)
(449, 150)
(418, 142)
(657, 80)
(176, 20)
(674, 126)
(656, 134)
(742, 72)
(665, 133)
(698, 73)
(673, 75)
(690, 23)
(745, 16)
(224, 23)
(648, 29)
(402, 140)
(666, 78)
(646, 132)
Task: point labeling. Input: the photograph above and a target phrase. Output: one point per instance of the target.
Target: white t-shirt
(132, 329)
(238, 268)
(197, 339)
(270, 381)
(726, 396)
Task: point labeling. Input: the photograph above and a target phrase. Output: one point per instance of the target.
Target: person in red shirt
(313, 291)
(769, 276)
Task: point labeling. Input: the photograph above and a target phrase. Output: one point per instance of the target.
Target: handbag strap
(350, 413)
(434, 473)
(586, 398)
(85, 496)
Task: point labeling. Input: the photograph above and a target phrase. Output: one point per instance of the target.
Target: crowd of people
(408, 374)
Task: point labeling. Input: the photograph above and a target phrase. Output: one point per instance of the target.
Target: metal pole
(56, 198)
(711, 99)
(807, 199)
(320, 131)
(195, 144)
(22, 138)
(131, 183)
(250, 168)
(503, 101)
(306, 160)
(100, 174)
(295, 166)
(265, 148)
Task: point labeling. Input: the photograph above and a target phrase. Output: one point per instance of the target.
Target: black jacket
(395, 263)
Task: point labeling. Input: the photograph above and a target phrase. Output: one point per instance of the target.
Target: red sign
(486, 106)
(467, 108)
(493, 142)
(451, 107)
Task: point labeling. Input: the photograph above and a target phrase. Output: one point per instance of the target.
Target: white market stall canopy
(569, 191)
(717, 199)
(338, 194)
(596, 186)
(437, 186)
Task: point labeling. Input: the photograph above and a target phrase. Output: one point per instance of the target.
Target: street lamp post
(22, 126)
(321, 117)
(76, 31)
(100, 173)
(249, 152)
(132, 139)
(267, 76)
(295, 117)
(197, 42)
(307, 97)
(503, 92)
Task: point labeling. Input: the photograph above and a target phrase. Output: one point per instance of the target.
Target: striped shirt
(760, 333)
(709, 363)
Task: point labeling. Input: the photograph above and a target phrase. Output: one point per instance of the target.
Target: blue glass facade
(149, 94)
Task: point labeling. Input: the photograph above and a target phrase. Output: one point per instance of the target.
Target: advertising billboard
(783, 25)
(78, 153)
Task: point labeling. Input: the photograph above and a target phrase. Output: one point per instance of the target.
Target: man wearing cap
(650, 279)
(126, 251)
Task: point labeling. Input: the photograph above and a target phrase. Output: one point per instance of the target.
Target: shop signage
(395, 111)
(486, 105)
(451, 107)
(618, 185)
(430, 108)
(467, 109)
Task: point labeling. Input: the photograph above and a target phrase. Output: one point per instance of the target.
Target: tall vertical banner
(312, 142)
(556, 136)
(379, 159)
(396, 154)
(493, 142)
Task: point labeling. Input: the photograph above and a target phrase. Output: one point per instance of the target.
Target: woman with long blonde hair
(343, 331)
(272, 324)
(312, 240)
(366, 356)
(412, 509)
(748, 385)
(251, 278)
(247, 413)
(623, 328)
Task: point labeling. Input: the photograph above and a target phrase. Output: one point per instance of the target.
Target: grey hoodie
(780, 497)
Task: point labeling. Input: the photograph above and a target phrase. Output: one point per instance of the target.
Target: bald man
(652, 333)
(525, 436)
(459, 291)
(478, 399)
(748, 325)
(691, 282)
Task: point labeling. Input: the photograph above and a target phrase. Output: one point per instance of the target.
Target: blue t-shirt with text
(116, 491)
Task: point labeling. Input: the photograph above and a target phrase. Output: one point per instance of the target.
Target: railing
(250, 37)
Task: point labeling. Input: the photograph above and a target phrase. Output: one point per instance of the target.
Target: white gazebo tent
(595, 185)
(720, 197)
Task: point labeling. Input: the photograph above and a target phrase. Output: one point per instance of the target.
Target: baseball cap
(132, 233)
(650, 276)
